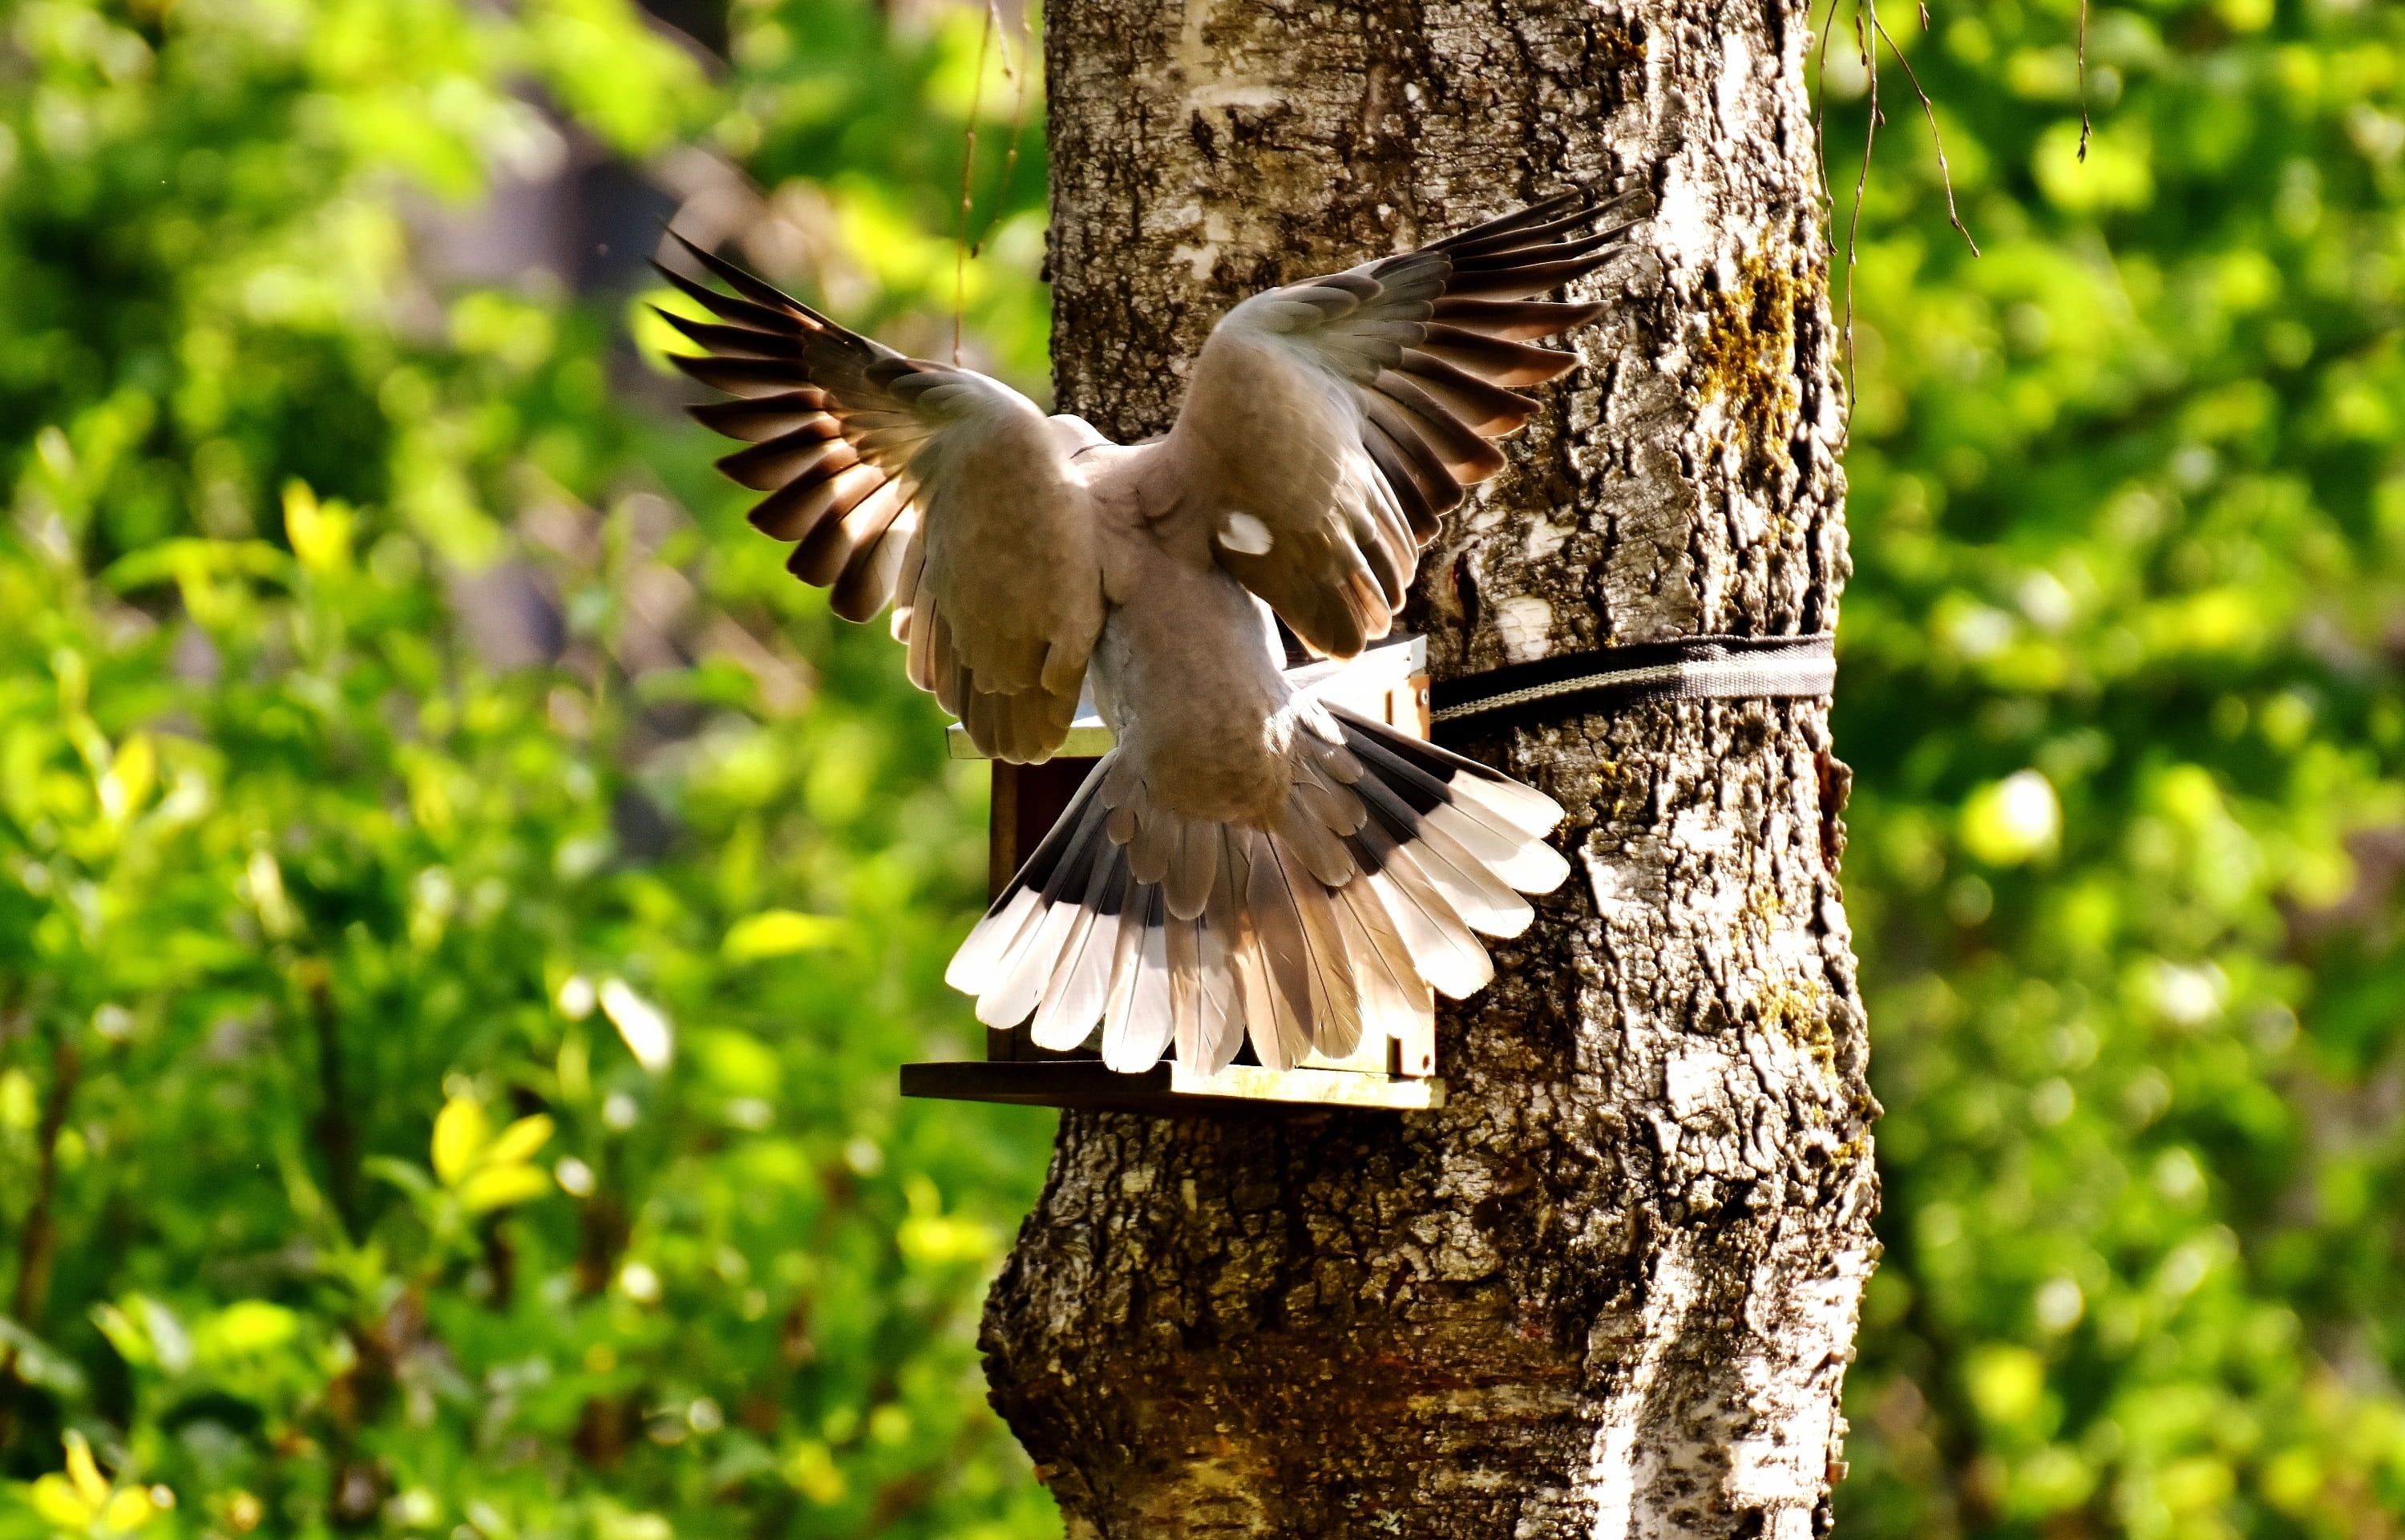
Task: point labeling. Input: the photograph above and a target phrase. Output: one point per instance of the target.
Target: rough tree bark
(1611, 1289)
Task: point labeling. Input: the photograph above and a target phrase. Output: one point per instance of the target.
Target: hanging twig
(1927, 110)
(1018, 115)
(1869, 32)
(968, 183)
(1821, 121)
(1861, 185)
(2082, 82)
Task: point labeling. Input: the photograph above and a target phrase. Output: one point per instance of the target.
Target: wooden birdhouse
(1388, 682)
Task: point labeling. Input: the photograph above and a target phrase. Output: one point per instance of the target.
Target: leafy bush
(2118, 673)
(462, 903)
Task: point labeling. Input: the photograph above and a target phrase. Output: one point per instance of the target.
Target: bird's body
(1195, 692)
(1246, 862)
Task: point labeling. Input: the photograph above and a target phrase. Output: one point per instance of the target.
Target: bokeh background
(461, 906)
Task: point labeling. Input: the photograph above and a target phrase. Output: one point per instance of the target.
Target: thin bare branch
(1821, 121)
(1861, 183)
(1019, 77)
(1929, 110)
(968, 184)
(2083, 125)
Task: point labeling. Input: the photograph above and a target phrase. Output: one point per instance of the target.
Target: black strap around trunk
(1695, 668)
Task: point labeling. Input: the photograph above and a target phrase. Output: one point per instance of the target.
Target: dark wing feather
(894, 478)
(1345, 414)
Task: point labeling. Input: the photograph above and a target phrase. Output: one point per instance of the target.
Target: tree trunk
(1611, 1290)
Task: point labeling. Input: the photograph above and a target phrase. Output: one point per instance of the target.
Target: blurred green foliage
(445, 1081)
(2120, 689)
(460, 904)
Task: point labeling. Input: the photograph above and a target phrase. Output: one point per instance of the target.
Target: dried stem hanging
(2083, 125)
(1018, 77)
(968, 183)
(1927, 110)
(1869, 32)
(1861, 185)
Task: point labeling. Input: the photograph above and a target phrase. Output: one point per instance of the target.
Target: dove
(1247, 862)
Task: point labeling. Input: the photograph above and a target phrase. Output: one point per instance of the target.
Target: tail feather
(1156, 844)
(1182, 954)
(1528, 866)
(1440, 940)
(1335, 1013)
(1175, 935)
(1495, 839)
(1027, 969)
(1117, 902)
(1194, 870)
(1221, 1033)
(1388, 1008)
(1259, 1001)
(1320, 845)
(1081, 982)
(1520, 803)
(1022, 902)
(1137, 1024)
(972, 967)
(1335, 805)
(1086, 874)
(1146, 1031)
(1443, 947)
(1393, 955)
(1276, 924)
(1126, 942)
(1481, 897)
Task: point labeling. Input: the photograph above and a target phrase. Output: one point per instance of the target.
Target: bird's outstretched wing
(1330, 422)
(897, 478)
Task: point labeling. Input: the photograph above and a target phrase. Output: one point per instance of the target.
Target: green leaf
(518, 1142)
(245, 1328)
(777, 932)
(411, 1179)
(39, 1363)
(461, 1134)
(499, 1186)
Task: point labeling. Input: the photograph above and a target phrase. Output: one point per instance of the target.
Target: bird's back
(1188, 670)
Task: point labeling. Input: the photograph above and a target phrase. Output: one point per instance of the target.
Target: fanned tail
(1363, 903)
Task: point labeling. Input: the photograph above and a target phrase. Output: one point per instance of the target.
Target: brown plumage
(1247, 864)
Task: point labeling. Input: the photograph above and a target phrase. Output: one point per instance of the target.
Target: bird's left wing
(1330, 422)
(898, 478)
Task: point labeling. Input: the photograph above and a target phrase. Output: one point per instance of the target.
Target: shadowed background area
(461, 905)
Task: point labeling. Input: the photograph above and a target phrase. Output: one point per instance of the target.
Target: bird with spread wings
(1246, 861)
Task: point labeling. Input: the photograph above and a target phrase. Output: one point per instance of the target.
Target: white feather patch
(1245, 534)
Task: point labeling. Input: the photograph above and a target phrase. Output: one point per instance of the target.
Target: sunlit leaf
(84, 1473)
(642, 1025)
(777, 932)
(499, 1186)
(517, 1143)
(461, 1134)
(245, 1327)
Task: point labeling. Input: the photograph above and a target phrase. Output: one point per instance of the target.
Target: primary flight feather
(1246, 862)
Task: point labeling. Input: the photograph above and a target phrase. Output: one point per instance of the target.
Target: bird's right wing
(1330, 422)
(903, 480)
